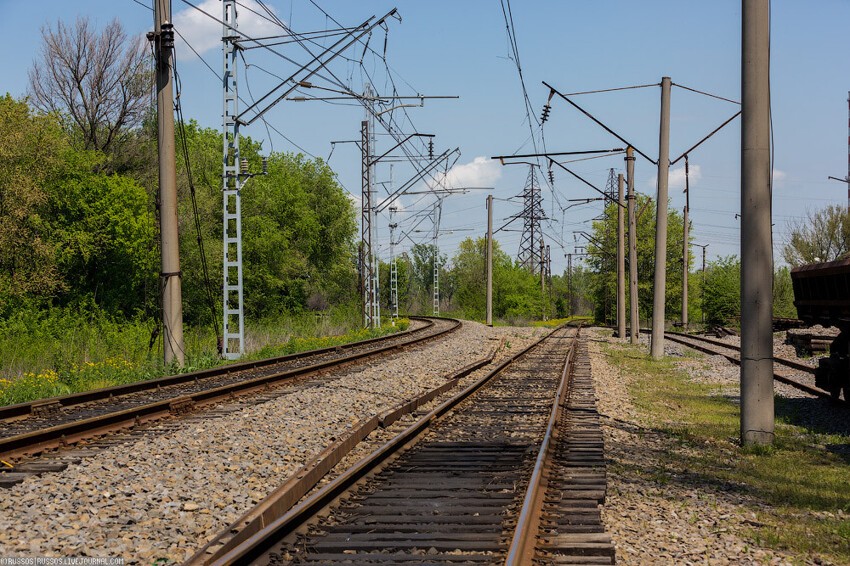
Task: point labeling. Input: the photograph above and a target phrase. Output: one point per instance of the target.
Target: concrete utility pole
(621, 262)
(686, 248)
(570, 284)
(702, 304)
(660, 279)
(543, 278)
(549, 278)
(757, 414)
(634, 317)
(847, 178)
(490, 260)
(172, 302)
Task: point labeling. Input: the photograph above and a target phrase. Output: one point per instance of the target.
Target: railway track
(31, 428)
(518, 453)
(789, 371)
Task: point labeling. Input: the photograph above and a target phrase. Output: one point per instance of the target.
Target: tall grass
(61, 351)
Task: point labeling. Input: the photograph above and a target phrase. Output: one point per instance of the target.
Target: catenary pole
(686, 248)
(702, 300)
(757, 414)
(570, 284)
(233, 290)
(634, 317)
(543, 279)
(172, 303)
(621, 262)
(490, 260)
(660, 279)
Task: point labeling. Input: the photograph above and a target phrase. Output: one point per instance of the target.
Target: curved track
(33, 427)
(451, 487)
(790, 374)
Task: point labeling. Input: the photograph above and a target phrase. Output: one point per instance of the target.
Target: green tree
(783, 294)
(298, 229)
(32, 150)
(602, 249)
(104, 234)
(723, 290)
(71, 234)
(823, 236)
(516, 292)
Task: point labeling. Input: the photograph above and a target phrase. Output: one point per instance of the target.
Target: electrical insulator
(430, 149)
(265, 165)
(167, 36)
(551, 177)
(545, 116)
(243, 166)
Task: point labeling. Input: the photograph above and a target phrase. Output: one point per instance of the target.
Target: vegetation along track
(789, 373)
(33, 427)
(451, 488)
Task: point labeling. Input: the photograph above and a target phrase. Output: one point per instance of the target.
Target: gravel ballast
(654, 512)
(164, 496)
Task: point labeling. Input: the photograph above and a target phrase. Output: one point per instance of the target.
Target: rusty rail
(24, 409)
(260, 542)
(68, 433)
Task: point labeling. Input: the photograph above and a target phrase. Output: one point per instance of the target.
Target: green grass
(46, 354)
(806, 486)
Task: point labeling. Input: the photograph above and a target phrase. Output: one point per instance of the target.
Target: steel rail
(262, 541)
(25, 409)
(522, 546)
(817, 391)
(292, 490)
(783, 361)
(68, 433)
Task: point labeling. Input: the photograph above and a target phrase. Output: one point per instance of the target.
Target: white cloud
(779, 176)
(676, 177)
(480, 172)
(204, 34)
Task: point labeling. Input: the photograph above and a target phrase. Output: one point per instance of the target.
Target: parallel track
(719, 348)
(451, 487)
(68, 419)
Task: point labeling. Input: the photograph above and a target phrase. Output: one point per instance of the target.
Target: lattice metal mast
(233, 328)
(393, 268)
(369, 224)
(611, 187)
(532, 236)
(438, 210)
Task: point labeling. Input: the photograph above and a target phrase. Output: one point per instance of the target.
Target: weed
(62, 352)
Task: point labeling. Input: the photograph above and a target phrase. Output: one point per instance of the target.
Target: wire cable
(706, 94)
(197, 217)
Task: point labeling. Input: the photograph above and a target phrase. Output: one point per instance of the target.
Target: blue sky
(461, 48)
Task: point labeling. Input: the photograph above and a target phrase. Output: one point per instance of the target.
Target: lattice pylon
(532, 236)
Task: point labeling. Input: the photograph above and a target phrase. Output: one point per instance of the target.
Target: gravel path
(655, 514)
(163, 497)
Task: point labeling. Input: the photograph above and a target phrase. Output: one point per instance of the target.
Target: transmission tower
(611, 187)
(532, 236)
